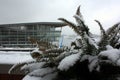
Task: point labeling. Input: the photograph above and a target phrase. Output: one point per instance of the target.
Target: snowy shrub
(84, 60)
(68, 61)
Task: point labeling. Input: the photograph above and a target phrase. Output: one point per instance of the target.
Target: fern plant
(87, 60)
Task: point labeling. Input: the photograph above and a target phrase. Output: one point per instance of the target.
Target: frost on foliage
(42, 72)
(65, 54)
(112, 54)
(92, 62)
(68, 61)
(27, 77)
(108, 47)
(47, 77)
(36, 54)
(87, 57)
(93, 65)
(33, 66)
(16, 68)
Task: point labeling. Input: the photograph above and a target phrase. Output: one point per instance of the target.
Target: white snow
(79, 18)
(68, 61)
(38, 73)
(96, 37)
(109, 47)
(88, 57)
(91, 41)
(47, 77)
(112, 54)
(78, 43)
(37, 50)
(13, 57)
(31, 78)
(92, 61)
(32, 66)
(51, 76)
(118, 62)
(93, 65)
(42, 72)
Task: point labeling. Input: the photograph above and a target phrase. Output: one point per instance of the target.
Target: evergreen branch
(78, 11)
(101, 28)
(16, 69)
(56, 50)
(103, 42)
(32, 40)
(70, 24)
(109, 37)
(81, 25)
(20, 69)
(112, 39)
(78, 14)
(112, 29)
(104, 38)
(63, 55)
(43, 74)
(79, 19)
(112, 32)
(113, 36)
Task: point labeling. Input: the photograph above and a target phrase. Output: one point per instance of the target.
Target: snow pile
(68, 61)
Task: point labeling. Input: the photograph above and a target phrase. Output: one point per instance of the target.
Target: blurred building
(16, 35)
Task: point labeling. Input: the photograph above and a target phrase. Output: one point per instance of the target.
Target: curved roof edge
(55, 24)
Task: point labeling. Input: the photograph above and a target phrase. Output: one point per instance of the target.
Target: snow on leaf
(112, 54)
(32, 66)
(93, 61)
(47, 77)
(68, 61)
(92, 42)
(37, 50)
(42, 72)
(28, 77)
(88, 57)
(93, 65)
(50, 76)
(118, 62)
(109, 47)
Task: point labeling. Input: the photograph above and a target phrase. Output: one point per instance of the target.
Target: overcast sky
(19, 11)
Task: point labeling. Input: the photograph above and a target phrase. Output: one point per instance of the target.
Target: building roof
(54, 24)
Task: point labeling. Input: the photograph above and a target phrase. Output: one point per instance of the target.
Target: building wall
(17, 36)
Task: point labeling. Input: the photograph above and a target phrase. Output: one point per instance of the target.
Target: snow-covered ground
(13, 57)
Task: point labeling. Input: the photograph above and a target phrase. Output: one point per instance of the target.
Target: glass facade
(16, 35)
